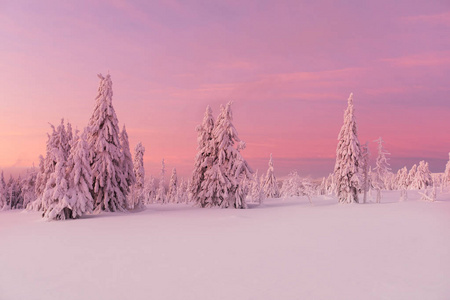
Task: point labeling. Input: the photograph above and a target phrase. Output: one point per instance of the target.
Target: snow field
(285, 249)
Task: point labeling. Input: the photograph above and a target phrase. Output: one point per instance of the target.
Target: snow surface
(285, 249)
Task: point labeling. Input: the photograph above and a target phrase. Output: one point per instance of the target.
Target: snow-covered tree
(365, 155)
(28, 187)
(222, 184)
(402, 183)
(292, 186)
(55, 197)
(182, 193)
(2, 192)
(381, 169)
(347, 170)
(257, 192)
(79, 200)
(127, 160)
(423, 177)
(447, 172)
(139, 172)
(412, 177)
(110, 187)
(203, 159)
(161, 195)
(150, 191)
(270, 185)
(172, 194)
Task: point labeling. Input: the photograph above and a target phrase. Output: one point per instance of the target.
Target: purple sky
(289, 67)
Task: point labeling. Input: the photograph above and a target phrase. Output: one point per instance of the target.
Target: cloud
(421, 60)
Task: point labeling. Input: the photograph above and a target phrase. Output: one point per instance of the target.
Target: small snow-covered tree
(203, 159)
(423, 178)
(79, 200)
(127, 160)
(139, 172)
(347, 170)
(28, 187)
(172, 194)
(223, 180)
(257, 192)
(3, 202)
(161, 195)
(110, 187)
(182, 193)
(412, 177)
(381, 169)
(270, 185)
(402, 183)
(447, 172)
(150, 191)
(365, 155)
(292, 186)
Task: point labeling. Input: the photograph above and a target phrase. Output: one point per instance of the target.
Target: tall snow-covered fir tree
(423, 177)
(347, 170)
(127, 160)
(203, 159)
(270, 185)
(150, 191)
(110, 187)
(412, 177)
(79, 201)
(257, 192)
(172, 195)
(222, 184)
(161, 195)
(139, 172)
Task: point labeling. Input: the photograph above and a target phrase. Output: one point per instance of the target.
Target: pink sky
(289, 67)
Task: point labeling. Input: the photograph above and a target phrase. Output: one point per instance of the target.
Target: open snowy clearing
(285, 249)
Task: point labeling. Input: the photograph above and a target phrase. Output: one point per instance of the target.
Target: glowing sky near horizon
(289, 67)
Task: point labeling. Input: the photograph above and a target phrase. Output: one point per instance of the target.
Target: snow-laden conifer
(423, 178)
(270, 185)
(222, 185)
(29, 186)
(109, 180)
(139, 172)
(150, 191)
(412, 177)
(161, 194)
(292, 186)
(257, 193)
(203, 159)
(79, 200)
(347, 170)
(402, 183)
(2, 191)
(365, 155)
(127, 160)
(381, 169)
(172, 194)
(182, 193)
(446, 179)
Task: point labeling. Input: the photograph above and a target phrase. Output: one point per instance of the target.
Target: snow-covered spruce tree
(110, 187)
(365, 155)
(182, 195)
(381, 169)
(446, 180)
(79, 200)
(423, 178)
(412, 177)
(127, 161)
(222, 184)
(58, 144)
(137, 191)
(28, 187)
(292, 186)
(150, 191)
(2, 191)
(203, 159)
(172, 194)
(270, 185)
(402, 183)
(257, 192)
(161, 195)
(347, 170)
